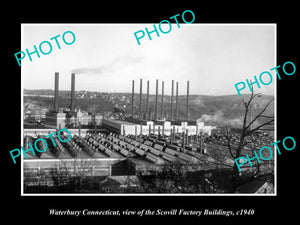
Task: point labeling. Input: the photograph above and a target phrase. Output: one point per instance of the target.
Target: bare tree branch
(259, 114)
(259, 127)
(269, 117)
(249, 174)
(229, 142)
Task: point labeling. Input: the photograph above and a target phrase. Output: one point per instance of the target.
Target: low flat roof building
(124, 127)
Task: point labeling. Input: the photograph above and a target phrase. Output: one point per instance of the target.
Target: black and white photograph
(162, 117)
(149, 113)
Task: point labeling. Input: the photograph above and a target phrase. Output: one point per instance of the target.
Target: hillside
(214, 110)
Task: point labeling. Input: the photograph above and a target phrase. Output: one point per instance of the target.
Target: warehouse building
(124, 127)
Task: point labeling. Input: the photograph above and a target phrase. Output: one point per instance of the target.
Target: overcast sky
(106, 57)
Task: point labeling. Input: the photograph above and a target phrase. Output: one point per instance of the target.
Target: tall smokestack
(56, 84)
(172, 94)
(132, 99)
(141, 95)
(147, 101)
(156, 98)
(72, 91)
(187, 100)
(176, 106)
(162, 100)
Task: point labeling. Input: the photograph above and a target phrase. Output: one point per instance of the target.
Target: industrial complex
(112, 150)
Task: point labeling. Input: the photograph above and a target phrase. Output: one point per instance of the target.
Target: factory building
(126, 147)
(56, 119)
(69, 117)
(140, 123)
(150, 127)
(108, 155)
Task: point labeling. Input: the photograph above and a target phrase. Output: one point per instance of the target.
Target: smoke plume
(218, 119)
(116, 64)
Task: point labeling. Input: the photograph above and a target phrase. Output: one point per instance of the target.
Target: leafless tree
(75, 173)
(178, 177)
(249, 127)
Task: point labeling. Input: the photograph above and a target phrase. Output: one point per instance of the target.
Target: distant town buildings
(119, 143)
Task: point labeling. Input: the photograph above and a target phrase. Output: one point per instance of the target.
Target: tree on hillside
(249, 127)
